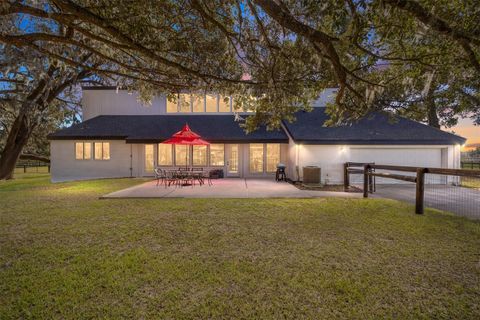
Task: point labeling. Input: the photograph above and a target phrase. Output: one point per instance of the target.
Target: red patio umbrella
(186, 137)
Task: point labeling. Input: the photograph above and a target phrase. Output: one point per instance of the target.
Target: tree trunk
(430, 86)
(432, 115)
(16, 140)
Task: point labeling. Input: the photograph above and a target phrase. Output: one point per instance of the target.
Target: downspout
(131, 161)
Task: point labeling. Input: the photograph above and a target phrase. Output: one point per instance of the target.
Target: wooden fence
(27, 161)
(470, 164)
(369, 171)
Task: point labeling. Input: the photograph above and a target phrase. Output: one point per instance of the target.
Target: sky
(466, 129)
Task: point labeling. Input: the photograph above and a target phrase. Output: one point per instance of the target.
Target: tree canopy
(273, 54)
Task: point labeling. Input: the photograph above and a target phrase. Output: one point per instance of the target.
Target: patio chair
(171, 177)
(208, 176)
(159, 175)
(197, 173)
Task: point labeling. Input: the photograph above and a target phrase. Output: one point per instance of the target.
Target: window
(199, 157)
(224, 104)
(217, 155)
(273, 156)
(211, 103)
(184, 103)
(149, 157)
(172, 106)
(233, 159)
(165, 155)
(197, 103)
(83, 150)
(182, 154)
(256, 157)
(102, 150)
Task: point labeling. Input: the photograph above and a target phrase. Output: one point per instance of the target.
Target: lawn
(66, 254)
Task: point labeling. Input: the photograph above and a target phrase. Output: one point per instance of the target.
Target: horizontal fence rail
(456, 190)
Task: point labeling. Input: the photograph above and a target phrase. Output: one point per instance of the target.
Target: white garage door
(425, 157)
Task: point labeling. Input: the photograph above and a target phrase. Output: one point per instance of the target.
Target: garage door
(425, 157)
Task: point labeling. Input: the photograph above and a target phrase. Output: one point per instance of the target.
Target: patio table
(186, 175)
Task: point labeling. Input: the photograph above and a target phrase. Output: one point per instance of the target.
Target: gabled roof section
(157, 128)
(378, 128)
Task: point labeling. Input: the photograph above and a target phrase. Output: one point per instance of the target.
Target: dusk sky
(465, 128)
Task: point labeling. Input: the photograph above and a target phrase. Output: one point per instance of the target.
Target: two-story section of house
(120, 137)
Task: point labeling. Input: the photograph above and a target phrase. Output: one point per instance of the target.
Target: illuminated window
(233, 159)
(184, 103)
(182, 155)
(199, 157)
(256, 157)
(165, 155)
(273, 156)
(102, 150)
(172, 106)
(197, 103)
(224, 104)
(211, 103)
(149, 158)
(217, 155)
(83, 150)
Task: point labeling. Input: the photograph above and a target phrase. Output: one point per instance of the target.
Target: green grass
(66, 254)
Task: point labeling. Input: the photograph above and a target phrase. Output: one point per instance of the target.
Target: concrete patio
(226, 188)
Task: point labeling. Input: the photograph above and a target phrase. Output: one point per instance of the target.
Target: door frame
(228, 149)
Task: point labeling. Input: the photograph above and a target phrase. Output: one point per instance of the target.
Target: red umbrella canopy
(186, 137)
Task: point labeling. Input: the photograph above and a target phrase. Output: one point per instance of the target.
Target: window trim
(266, 159)
(172, 155)
(206, 156)
(216, 103)
(263, 160)
(83, 150)
(209, 155)
(189, 158)
(145, 158)
(95, 153)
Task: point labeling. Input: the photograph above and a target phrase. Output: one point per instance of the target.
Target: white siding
(330, 158)
(111, 102)
(65, 167)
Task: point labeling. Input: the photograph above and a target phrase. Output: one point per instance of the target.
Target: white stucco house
(119, 137)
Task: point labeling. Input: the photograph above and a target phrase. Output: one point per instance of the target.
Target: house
(119, 137)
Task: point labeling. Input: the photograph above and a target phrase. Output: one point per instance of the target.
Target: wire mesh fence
(456, 194)
(452, 190)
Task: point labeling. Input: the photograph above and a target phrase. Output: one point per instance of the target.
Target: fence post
(346, 178)
(24, 168)
(366, 169)
(420, 194)
(48, 168)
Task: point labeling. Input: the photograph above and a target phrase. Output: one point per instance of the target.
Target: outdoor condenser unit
(311, 175)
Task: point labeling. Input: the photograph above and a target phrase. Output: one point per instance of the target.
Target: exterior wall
(65, 167)
(111, 102)
(330, 158)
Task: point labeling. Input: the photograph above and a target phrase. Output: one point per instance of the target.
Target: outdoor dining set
(182, 176)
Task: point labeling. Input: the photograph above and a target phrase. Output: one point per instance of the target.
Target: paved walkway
(459, 200)
(226, 188)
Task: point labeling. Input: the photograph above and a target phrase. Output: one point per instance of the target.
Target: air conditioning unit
(311, 175)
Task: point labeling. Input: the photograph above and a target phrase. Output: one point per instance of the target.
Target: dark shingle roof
(308, 129)
(377, 128)
(151, 128)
